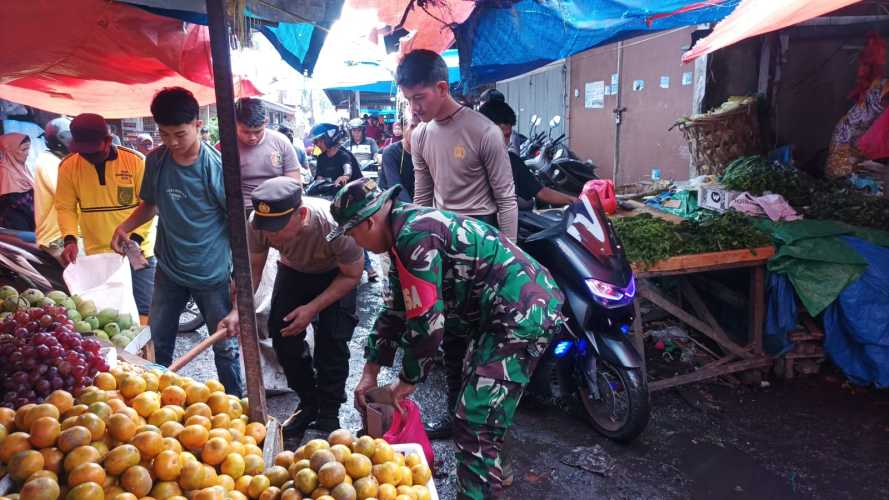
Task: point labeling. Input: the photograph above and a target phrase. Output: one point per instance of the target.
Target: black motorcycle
(553, 163)
(592, 363)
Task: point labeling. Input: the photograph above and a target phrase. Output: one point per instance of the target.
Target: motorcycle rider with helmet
(359, 144)
(335, 163)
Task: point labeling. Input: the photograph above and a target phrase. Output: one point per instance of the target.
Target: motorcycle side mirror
(555, 121)
(537, 121)
(534, 119)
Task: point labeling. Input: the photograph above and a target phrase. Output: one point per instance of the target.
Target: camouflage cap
(355, 202)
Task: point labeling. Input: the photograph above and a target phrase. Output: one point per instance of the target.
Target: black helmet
(329, 132)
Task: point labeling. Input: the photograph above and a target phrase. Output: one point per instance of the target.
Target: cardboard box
(716, 197)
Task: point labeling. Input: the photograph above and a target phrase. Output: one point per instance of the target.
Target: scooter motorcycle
(591, 364)
(555, 165)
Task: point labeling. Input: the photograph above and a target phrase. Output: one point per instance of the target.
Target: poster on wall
(638, 85)
(686, 78)
(594, 95)
(665, 82)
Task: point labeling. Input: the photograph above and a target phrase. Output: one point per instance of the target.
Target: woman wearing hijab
(16, 183)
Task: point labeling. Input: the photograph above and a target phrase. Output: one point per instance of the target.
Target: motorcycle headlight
(609, 295)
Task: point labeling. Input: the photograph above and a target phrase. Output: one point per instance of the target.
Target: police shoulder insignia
(263, 208)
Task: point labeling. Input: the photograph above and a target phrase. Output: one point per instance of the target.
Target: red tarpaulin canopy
(100, 57)
(755, 17)
(425, 23)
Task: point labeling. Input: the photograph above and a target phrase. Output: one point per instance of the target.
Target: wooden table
(736, 357)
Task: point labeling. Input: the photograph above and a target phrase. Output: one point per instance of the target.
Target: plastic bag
(605, 190)
(105, 279)
(874, 144)
(407, 427)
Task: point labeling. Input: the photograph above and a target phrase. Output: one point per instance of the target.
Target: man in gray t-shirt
(265, 153)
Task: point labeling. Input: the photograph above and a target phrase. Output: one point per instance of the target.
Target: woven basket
(715, 140)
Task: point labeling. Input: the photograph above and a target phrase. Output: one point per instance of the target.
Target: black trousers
(320, 380)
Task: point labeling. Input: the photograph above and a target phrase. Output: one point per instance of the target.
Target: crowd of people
(443, 212)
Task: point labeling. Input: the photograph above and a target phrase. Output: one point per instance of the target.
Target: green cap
(357, 201)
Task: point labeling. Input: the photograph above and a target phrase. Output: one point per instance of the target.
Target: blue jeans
(368, 266)
(214, 303)
(143, 286)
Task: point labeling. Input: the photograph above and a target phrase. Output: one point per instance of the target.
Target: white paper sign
(686, 78)
(638, 85)
(665, 82)
(594, 95)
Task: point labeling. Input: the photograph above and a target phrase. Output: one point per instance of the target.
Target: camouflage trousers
(485, 411)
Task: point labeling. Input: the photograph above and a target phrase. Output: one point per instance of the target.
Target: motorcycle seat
(531, 223)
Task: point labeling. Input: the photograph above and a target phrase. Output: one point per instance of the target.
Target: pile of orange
(134, 435)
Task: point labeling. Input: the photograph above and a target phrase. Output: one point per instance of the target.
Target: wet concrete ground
(807, 438)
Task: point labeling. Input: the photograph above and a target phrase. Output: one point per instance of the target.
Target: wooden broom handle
(201, 347)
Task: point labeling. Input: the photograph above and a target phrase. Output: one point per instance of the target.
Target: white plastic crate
(416, 448)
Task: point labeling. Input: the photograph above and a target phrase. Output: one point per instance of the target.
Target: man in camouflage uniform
(454, 276)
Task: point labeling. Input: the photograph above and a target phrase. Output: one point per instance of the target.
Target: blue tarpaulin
(502, 43)
(388, 86)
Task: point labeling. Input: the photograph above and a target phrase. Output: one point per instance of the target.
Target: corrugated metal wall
(541, 93)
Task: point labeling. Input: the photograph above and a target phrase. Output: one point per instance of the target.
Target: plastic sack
(407, 427)
(874, 144)
(105, 279)
(604, 189)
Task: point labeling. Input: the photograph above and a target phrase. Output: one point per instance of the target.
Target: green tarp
(818, 263)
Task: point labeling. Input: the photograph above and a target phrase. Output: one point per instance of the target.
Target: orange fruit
(382, 453)
(137, 480)
(233, 465)
(171, 444)
(277, 475)
(235, 410)
(365, 445)
(21, 414)
(171, 429)
(192, 475)
(41, 410)
(92, 395)
(199, 420)
(148, 428)
(321, 457)
(81, 455)
(101, 447)
(341, 436)
(69, 423)
(306, 481)
(121, 458)
(221, 433)
(221, 421)
(85, 473)
(242, 483)
(215, 386)
(167, 466)
(331, 474)
(257, 485)
(116, 405)
(125, 495)
(24, 463)
(198, 409)
(366, 487)
(148, 443)
(93, 423)
(14, 443)
(226, 482)
(210, 476)
(253, 465)
(284, 459)
(62, 400)
(215, 450)
(52, 459)
(211, 493)
(105, 381)
(152, 381)
(146, 403)
(237, 447)
(161, 416)
(7, 417)
(130, 414)
(132, 385)
(41, 489)
(196, 393)
(218, 402)
(44, 432)
(358, 465)
(193, 437)
(121, 427)
(257, 431)
(166, 489)
(75, 411)
(341, 452)
(252, 449)
(86, 491)
(173, 395)
(166, 379)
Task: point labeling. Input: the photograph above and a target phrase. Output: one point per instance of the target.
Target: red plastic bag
(874, 144)
(407, 427)
(604, 189)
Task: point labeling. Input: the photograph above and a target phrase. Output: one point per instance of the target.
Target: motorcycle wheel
(622, 410)
(191, 318)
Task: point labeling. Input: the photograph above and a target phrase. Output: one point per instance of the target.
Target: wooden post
(237, 224)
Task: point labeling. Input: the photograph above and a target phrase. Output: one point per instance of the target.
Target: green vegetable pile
(814, 198)
(647, 239)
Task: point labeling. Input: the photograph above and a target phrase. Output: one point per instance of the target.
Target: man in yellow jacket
(98, 188)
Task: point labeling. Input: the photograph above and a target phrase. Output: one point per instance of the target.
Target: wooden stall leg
(757, 308)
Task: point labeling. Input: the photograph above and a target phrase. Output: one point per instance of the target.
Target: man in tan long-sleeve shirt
(460, 165)
(459, 161)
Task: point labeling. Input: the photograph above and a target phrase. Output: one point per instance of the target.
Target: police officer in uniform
(316, 283)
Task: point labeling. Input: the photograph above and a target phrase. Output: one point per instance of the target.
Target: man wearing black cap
(316, 283)
(98, 188)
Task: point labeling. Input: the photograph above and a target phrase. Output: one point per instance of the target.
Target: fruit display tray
(416, 448)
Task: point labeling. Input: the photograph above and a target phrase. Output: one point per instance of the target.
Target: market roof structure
(755, 17)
